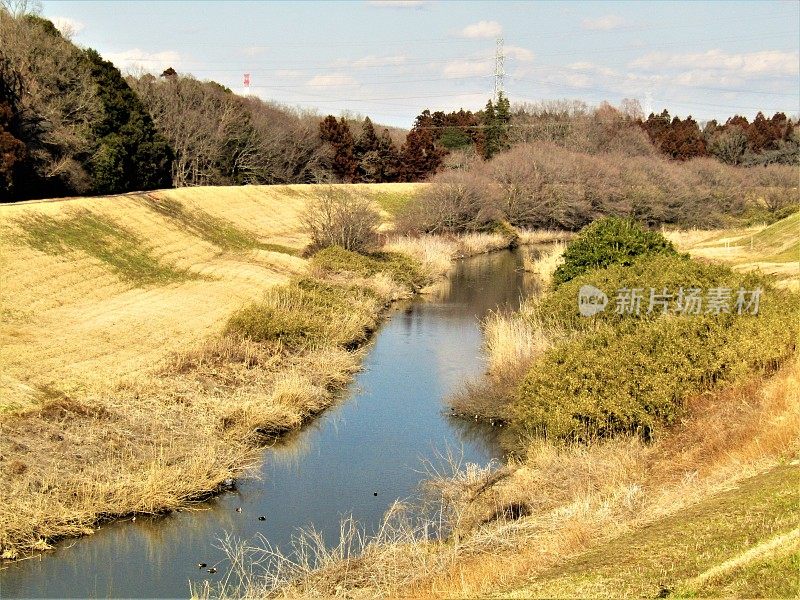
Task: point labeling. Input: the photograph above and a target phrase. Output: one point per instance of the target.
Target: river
(356, 458)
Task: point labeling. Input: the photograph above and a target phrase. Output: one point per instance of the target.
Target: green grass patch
(309, 313)
(777, 236)
(776, 576)
(662, 559)
(104, 240)
(626, 374)
(394, 202)
(217, 231)
(401, 268)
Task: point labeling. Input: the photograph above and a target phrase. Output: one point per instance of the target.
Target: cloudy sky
(391, 59)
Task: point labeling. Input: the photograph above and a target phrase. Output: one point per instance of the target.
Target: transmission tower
(499, 68)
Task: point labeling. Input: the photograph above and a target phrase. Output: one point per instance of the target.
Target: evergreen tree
(420, 157)
(367, 154)
(129, 154)
(496, 119)
(388, 158)
(338, 135)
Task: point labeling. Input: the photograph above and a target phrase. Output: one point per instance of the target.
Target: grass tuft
(309, 313)
(401, 268)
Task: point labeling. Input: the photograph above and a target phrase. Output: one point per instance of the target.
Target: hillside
(76, 317)
(772, 249)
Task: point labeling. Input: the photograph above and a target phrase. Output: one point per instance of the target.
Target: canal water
(356, 459)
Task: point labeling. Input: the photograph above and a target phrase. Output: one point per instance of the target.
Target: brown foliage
(457, 202)
(543, 185)
(337, 218)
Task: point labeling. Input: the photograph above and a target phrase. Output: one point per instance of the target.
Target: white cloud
(522, 54)
(67, 26)
(136, 59)
(766, 62)
(333, 80)
(604, 23)
(380, 61)
(397, 3)
(467, 68)
(482, 29)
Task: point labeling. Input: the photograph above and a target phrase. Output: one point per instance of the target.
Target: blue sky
(390, 59)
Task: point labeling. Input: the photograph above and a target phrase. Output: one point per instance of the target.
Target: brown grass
(505, 525)
(545, 263)
(436, 253)
(120, 399)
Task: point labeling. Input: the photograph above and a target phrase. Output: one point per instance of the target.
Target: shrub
(622, 374)
(339, 218)
(455, 202)
(401, 268)
(309, 314)
(607, 241)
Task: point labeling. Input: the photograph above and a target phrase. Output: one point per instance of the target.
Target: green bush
(623, 374)
(309, 313)
(401, 268)
(608, 241)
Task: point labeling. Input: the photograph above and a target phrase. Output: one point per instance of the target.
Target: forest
(72, 124)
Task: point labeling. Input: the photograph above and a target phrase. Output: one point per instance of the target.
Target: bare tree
(339, 218)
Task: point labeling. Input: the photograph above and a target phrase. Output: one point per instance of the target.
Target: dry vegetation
(772, 249)
(152, 343)
(517, 528)
(609, 518)
(544, 262)
(544, 186)
(121, 391)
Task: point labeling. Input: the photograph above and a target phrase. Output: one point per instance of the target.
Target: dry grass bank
(772, 249)
(728, 474)
(120, 392)
(525, 526)
(151, 343)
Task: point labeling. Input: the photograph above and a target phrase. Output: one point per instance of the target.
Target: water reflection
(375, 442)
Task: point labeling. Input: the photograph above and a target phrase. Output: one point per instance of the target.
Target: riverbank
(130, 403)
(542, 525)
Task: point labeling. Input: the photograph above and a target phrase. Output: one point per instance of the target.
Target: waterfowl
(262, 518)
(201, 565)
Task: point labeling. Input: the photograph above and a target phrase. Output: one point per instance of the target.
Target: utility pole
(499, 68)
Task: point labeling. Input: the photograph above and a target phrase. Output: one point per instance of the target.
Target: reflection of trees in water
(478, 433)
(488, 282)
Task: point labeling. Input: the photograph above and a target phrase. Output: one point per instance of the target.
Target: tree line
(71, 124)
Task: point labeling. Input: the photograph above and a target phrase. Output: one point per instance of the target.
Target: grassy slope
(119, 393)
(740, 542)
(774, 249)
(96, 290)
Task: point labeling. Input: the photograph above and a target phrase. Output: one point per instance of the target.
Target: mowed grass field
(123, 389)
(98, 290)
(773, 249)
